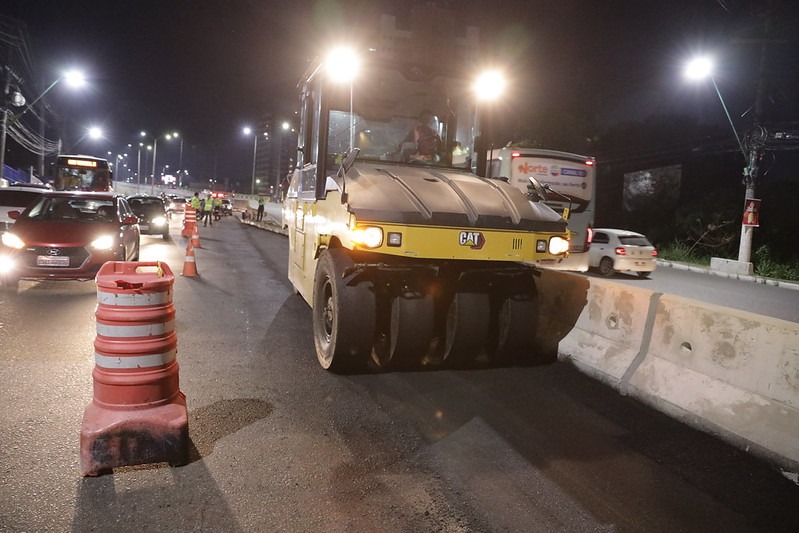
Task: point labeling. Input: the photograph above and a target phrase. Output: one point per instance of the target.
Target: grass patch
(764, 262)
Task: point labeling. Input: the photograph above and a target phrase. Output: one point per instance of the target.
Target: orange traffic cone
(189, 265)
(195, 237)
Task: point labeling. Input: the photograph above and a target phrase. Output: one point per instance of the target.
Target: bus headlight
(12, 241)
(106, 242)
(368, 237)
(558, 245)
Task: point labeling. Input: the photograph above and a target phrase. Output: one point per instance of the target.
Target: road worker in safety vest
(195, 204)
(260, 214)
(208, 211)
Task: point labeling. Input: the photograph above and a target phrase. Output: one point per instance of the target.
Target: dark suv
(153, 218)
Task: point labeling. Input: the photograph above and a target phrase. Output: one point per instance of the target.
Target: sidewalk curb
(706, 270)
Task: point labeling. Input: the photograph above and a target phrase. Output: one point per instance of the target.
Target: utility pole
(4, 123)
(755, 139)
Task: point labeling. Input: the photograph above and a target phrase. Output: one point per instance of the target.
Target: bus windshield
(82, 173)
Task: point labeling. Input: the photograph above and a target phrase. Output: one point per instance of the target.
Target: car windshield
(146, 205)
(90, 210)
(634, 240)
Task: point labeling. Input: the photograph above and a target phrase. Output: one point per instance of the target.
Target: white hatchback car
(16, 198)
(618, 250)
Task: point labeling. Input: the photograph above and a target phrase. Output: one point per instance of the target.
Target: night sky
(205, 68)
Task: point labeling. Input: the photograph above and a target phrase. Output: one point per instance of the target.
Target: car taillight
(589, 236)
(620, 251)
(654, 253)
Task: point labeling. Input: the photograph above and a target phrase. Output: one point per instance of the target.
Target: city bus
(82, 173)
(571, 176)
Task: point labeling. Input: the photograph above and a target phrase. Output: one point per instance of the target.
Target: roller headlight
(12, 241)
(106, 242)
(558, 245)
(368, 237)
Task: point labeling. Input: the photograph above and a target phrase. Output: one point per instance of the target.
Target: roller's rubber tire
(407, 333)
(467, 327)
(343, 315)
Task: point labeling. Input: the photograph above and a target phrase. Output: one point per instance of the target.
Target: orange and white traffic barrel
(138, 414)
(189, 221)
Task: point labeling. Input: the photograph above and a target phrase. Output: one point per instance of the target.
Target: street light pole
(155, 151)
(700, 68)
(248, 131)
(254, 154)
(4, 123)
(138, 169)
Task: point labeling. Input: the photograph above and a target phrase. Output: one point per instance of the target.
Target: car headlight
(106, 242)
(6, 264)
(368, 237)
(558, 245)
(12, 241)
(159, 221)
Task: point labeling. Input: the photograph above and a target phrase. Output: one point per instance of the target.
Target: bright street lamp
(73, 78)
(93, 133)
(701, 68)
(342, 64)
(489, 86)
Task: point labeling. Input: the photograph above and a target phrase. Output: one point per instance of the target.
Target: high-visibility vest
(209, 204)
(260, 201)
(195, 202)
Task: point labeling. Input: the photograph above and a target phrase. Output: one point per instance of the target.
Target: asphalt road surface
(278, 444)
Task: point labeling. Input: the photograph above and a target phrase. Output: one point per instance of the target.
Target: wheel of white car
(606, 266)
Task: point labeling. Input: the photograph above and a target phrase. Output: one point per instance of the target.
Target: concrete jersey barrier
(724, 371)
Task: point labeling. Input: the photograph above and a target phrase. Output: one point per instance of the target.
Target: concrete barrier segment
(726, 371)
(599, 325)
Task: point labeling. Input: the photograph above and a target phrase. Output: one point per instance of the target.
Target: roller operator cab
(405, 255)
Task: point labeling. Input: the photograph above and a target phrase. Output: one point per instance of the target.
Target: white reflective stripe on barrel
(133, 300)
(140, 330)
(135, 361)
(190, 259)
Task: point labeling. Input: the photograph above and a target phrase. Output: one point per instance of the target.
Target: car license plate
(52, 261)
(144, 227)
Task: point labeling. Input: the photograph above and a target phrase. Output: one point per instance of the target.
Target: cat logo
(472, 239)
